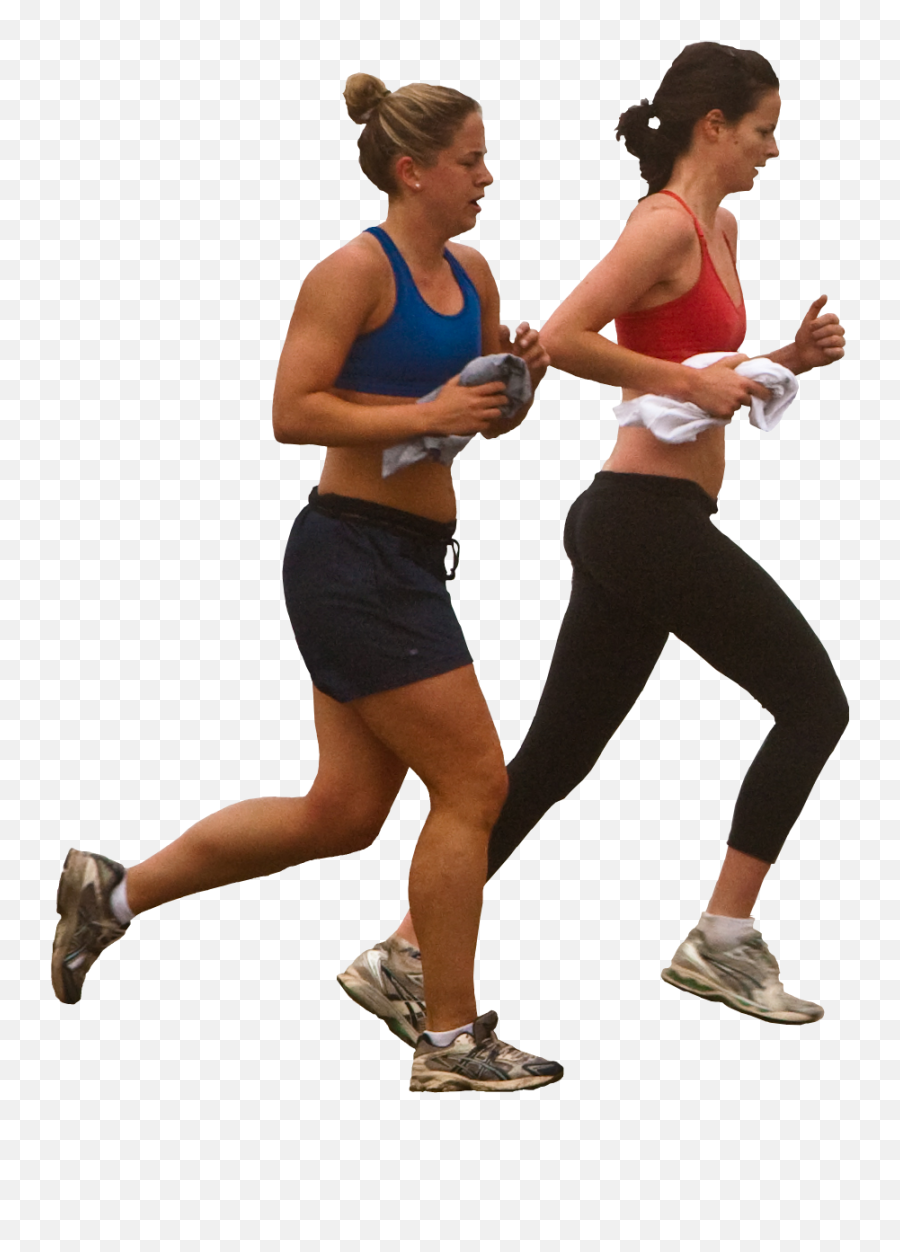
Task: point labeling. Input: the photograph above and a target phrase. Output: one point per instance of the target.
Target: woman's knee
(822, 710)
(343, 823)
(478, 797)
(836, 713)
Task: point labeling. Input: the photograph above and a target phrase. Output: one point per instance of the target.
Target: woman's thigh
(442, 729)
(724, 606)
(358, 776)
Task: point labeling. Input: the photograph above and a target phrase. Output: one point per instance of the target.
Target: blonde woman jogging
(378, 325)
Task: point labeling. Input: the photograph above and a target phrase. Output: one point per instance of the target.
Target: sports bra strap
(398, 265)
(699, 228)
(697, 225)
(402, 270)
(459, 273)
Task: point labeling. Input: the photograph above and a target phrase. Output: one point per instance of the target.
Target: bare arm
(335, 302)
(819, 341)
(654, 243)
(645, 260)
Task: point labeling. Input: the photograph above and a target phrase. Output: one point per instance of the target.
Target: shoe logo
(399, 988)
(471, 1066)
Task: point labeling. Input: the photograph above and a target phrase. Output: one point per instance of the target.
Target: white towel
(498, 367)
(679, 421)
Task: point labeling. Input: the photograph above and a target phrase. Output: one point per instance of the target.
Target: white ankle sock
(443, 1038)
(118, 902)
(724, 932)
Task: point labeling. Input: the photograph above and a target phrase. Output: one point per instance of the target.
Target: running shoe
(87, 924)
(387, 980)
(744, 977)
(479, 1062)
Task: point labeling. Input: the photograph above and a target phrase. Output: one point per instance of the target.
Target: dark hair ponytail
(702, 77)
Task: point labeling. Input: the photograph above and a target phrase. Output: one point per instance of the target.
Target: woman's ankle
(407, 932)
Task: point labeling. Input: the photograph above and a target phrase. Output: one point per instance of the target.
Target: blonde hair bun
(418, 120)
(362, 93)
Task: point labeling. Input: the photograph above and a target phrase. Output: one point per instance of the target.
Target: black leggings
(647, 560)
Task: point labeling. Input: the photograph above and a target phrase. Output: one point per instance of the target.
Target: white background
(171, 173)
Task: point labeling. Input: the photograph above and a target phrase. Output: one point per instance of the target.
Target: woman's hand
(464, 410)
(720, 392)
(529, 348)
(820, 340)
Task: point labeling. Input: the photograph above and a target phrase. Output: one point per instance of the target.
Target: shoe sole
(435, 1082)
(685, 980)
(68, 895)
(376, 1003)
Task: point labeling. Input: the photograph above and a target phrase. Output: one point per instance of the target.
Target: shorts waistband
(656, 484)
(397, 520)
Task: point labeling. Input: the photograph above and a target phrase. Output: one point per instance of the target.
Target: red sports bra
(703, 319)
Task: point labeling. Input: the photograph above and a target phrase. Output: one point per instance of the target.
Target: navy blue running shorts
(365, 588)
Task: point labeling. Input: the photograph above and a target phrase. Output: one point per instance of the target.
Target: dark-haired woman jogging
(379, 324)
(647, 560)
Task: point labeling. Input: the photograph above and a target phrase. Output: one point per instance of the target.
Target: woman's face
(452, 187)
(750, 142)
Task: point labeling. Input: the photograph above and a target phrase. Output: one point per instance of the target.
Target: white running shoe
(479, 1062)
(387, 981)
(744, 977)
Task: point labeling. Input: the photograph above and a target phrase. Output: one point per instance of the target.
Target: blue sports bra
(416, 349)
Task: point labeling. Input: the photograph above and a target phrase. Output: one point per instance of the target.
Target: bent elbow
(556, 345)
(285, 422)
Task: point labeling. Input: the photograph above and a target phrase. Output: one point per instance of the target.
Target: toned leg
(601, 663)
(442, 728)
(356, 784)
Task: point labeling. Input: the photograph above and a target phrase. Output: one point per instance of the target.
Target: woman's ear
(713, 124)
(406, 173)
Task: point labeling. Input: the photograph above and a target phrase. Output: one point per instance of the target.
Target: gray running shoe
(744, 977)
(87, 924)
(479, 1062)
(387, 980)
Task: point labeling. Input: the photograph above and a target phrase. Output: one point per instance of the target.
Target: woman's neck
(418, 238)
(699, 188)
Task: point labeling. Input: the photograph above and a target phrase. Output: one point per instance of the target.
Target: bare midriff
(639, 452)
(425, 488)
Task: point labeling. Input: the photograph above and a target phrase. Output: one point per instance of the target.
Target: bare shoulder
(727, 222)
(472, 262)
(664, 220)
(361, 261)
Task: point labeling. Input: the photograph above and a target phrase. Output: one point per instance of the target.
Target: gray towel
(502, 366)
